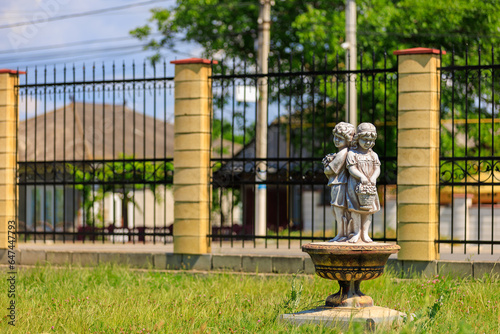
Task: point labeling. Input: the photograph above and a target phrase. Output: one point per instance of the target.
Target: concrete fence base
(265, 264)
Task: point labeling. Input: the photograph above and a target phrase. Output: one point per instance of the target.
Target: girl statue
(364, 168)
(335, 170)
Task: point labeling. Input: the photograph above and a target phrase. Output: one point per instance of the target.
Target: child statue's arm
(326, 163)
(337, 164)
(354, 171)
(376, 172)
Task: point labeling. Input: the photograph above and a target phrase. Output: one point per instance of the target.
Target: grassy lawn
(115, 299)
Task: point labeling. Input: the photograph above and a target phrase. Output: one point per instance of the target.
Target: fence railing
(470, 158)
(306, 100)
(95, 150)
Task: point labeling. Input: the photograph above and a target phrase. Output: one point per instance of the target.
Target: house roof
(89, 131)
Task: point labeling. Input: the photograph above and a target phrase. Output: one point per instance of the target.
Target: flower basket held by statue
(366, 195)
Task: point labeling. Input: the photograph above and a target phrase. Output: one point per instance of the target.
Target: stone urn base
(349, 295)
(372, 317)
(349, 264)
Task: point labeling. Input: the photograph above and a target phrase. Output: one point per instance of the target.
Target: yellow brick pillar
(418, 153)
(193, 110)
(8, 159)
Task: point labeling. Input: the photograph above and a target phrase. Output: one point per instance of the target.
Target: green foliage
(292, 302)
(307, 35)
(224, 200)
(121, 176)
(442, 289)
(470, 123)
(224, 128)
(319, 27)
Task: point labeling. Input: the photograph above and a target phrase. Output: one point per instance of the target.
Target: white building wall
(148, 211)
(474, 222)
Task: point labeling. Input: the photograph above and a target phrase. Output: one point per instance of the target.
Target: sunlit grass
(116, 299)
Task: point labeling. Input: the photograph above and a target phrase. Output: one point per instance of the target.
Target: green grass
(115, 299)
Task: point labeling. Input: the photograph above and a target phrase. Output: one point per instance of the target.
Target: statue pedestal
(370, 317)
(349, 264)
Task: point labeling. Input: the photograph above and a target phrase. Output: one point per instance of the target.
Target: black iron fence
(95, 149)
(470, 158)
(306, 98)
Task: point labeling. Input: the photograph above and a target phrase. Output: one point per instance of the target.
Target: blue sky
(48, 42)
(90, 38)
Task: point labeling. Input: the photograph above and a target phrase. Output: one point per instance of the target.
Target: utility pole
(261, 122)
(351, 62)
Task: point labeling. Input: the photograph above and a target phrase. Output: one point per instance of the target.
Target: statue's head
(367, 133)
(343, 134)
(344, 130)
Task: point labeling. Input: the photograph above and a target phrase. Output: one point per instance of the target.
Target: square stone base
(341, 316)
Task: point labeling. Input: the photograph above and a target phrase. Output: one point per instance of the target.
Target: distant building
(83, 134)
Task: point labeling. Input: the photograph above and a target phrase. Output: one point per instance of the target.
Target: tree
(317, 27)
(309, 34)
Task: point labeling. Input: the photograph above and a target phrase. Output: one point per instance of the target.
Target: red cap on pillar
(4, 70)
(194, 61)
(418, 51)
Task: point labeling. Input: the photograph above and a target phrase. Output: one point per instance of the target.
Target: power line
(117, 13)
(68, 16)
(41, 62)
(63, 45)
(71, 44)
(74, 52)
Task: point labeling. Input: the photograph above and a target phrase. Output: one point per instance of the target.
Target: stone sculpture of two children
(352, 175)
